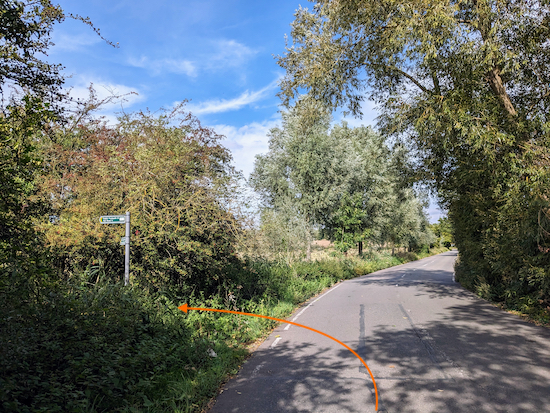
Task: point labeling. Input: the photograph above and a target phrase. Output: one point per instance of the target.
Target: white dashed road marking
(310, 304)
(275, 342)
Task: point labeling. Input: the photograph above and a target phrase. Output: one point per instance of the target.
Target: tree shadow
(469, 357)
(476, 360)
(299, 379)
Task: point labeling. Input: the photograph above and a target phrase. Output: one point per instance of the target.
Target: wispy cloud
(229, 53)
(71, 43)
(223, 54)
(178, 66)
(226, 105)
(246, 142)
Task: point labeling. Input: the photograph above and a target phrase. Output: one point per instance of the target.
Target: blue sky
(217, 54)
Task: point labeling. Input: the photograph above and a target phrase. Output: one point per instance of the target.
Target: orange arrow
(185, 308)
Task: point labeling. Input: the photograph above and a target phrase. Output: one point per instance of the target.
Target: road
(431, 345)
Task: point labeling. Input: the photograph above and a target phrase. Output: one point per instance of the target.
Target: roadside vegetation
(92, 347)
(74, 338)
(463, 84)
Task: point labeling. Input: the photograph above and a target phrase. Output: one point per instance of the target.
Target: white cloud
(224, 54)
(72, 43)
(178, 66)
(229, 54)
(224, 105)
(246, 142)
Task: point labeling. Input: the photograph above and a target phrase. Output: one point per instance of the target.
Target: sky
(218, 55)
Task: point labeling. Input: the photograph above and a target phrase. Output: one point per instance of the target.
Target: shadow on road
(475, 362)
(469, 357)
(298, 378)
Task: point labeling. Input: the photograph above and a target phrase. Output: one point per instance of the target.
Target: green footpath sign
(113, 219)
(121, 219)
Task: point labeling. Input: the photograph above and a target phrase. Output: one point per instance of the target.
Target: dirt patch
(325, 243)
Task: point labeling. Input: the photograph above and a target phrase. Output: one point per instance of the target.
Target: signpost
(121, 219)
(113, 219)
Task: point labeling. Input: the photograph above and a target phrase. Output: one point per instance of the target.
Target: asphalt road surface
(431, 345)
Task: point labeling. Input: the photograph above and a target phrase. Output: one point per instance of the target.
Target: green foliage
(25, 28)
(443, 232)
(22, 255)
(175, 180)
(348, 223)
(304, 171)
(344, 180)
(108, 348)
(25, 37)
(466, 85)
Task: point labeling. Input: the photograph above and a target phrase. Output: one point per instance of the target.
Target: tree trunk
(308, 250)
(495, 81)
(360, 248)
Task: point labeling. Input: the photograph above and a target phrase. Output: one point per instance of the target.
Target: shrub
(176, 181)
(105, 348)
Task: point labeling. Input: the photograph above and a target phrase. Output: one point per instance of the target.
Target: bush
(176, 181)
(102, 349)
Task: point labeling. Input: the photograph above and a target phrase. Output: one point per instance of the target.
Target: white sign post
(121, 219)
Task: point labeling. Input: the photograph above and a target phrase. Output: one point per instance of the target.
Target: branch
(436, 83)
(405, 74)
(416, 82)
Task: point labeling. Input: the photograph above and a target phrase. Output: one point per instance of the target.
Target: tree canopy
(344, 180)
(464, 83)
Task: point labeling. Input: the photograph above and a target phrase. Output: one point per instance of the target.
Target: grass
(277, 291)
(113, 349)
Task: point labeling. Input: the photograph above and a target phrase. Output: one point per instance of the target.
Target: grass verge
(108, 348)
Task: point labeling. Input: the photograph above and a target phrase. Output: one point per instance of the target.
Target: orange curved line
(185, 308)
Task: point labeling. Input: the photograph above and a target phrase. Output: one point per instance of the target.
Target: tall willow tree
(467, 82)
(343, 180)
(303, 167)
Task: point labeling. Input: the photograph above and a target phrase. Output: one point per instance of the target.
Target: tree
(342, 179)
(443, 231)
(304, 166)
(25, 28)
(176, 181)
(466, 83)
(25, 35)
(22, 254)
(348, 223)
(361, 211)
